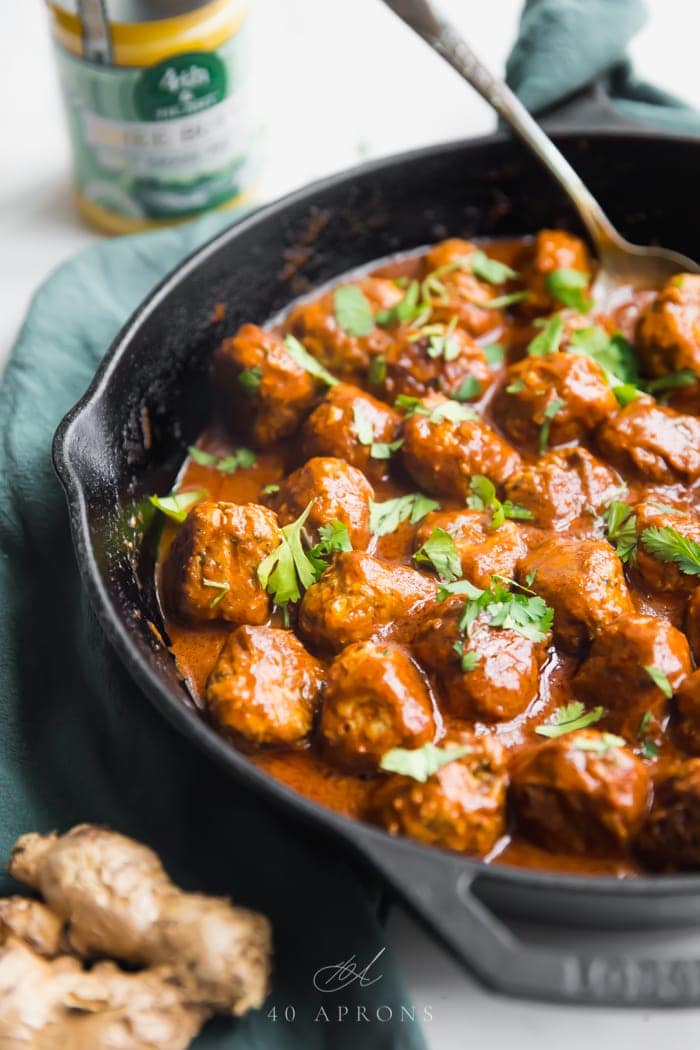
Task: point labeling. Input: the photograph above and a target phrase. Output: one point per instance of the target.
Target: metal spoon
(622, 264)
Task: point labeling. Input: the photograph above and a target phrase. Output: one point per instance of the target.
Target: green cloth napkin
(80, 743)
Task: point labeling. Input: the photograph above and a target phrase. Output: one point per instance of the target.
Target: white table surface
(362, 98)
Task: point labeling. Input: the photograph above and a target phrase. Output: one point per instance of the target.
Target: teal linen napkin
(80, 743)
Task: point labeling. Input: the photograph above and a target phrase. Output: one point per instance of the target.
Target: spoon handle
(422, 17)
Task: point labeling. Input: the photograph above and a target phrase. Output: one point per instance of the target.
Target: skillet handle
(439, 890)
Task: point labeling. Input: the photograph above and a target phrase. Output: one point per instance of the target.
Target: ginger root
(50, 1004)
(116, 901)
(108, 897)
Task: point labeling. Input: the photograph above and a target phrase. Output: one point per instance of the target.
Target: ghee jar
(158, 106)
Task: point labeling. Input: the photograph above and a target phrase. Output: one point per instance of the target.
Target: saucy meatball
(553, 399)
(483, 551)
(656, 443)
(351, 424)
(264, 688)
(210, 572)
(668, 334)
(357, 596)
(375, 699)
(315, 324)
(441, 454)
(663, 575)
(339, 493)
(688, 712)
(670, 837)
(580, 792)
(263, 393)
(460, 807)
(563, 485)
(504, 679)
(449, 363)
(583, 581)
(616, 673)
(692, 623)
(462, 292)
(551, 250)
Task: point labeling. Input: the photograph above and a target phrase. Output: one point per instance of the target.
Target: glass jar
(158, 107)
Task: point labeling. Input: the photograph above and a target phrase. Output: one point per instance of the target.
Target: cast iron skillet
(127, 437)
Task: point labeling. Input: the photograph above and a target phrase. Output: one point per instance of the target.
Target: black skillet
(156, 370)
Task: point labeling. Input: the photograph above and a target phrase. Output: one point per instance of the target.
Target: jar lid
(127, 12)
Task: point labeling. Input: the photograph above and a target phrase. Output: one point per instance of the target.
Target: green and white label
(166, 141)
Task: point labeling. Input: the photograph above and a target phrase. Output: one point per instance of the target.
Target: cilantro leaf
(223, 589)
(377, 371)
(526, 614)
(660, 680)
(469, 389)
(490, 270)
(353, 311)
(671, 546)
(241, 458)
(501, 301)
(469, 659)
(411, 405)
(568, 718)
(601, 745)
(621, 527)
(452, 412)
(569, 287)
(612, 353)
(495, 354)
(249, 380)
(483, 492)
(421, 762)
(287, 570)
(672, 381)
(516, 512)
(440, 551)
(271, 489)
(334, 538)
(405, 311)
(177, 505)
(364, 430)
(387, 516)
(549, 413)
(548, 340)
(301, 355)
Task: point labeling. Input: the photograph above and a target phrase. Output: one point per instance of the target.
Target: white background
(338, 80)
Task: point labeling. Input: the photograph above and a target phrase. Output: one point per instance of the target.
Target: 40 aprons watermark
(332, 980)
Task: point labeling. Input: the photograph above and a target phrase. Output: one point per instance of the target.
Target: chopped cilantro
(515, 387)
(495, 354)
(568, 718)
(441, 552)
(468, 390)
(569, 287)
(249, 380)
(387, 516)
(422, 762)
(408, 310)
(352, 310)
(270, 490)
(660, 680)
(621, 527)
(548, 340)
(301, 355)
(334, 538)
(528, 615)
(364, 430)
(671, 546)
(452, 412)
(287, 570)
(177, 505)
(502, 301)
(672, 381)
(469, 659)
(599, 746)
(222, 588)
(376, 373)
(549, 413)
(483, 497)
(490, 270)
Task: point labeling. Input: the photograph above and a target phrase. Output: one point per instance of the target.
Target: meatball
(451, 364)
(692, 623)
(551, 250)
(670, 837)
(210, 572)
(351, 424)
(553, 399)
(316, 325)
(668, 334)
(483, 551)
(616, 676)
(688, 712)
(563, 485)
(264, 688)
(583, 581)
(662, 575)
(375, 699)
(460, 807)
(340, 493)
(655, 443)
(462, 291)
(505, 678)
(580, 792)
(441, 456)
(263, 393)
(357, 597)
